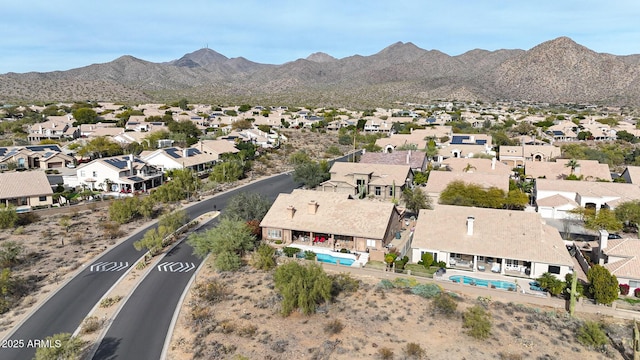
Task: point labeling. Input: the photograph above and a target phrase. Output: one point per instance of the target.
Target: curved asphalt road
(65, 310)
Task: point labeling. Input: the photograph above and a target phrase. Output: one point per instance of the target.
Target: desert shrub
(385, 284)
(333, 327)
(385, 353)
(107, 302)
(90, 325)
(211, 291)
(10, 252)
(248, 331)
(477, 321)
(444, 304)
(414, 351)
(343, 282)
(590, 334)
(290, 251)
(264, 258)
(302, 287)
(67, 347)
(404, 283)
(427, 291)
(624, 289)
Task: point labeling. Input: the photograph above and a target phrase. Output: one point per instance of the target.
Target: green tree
(603, 219)
(420, 178)
(85, 116)
(629, 213)
(477, 321)
(63, 347)
(124, 210)
(299, 157)
(8, 216)
(603, 286)
(552, 284)
(626, 136)
(99, 147)
(415, 199)
(228, 242)
(302, 287)
(186, 128)
(244, 107)
(247, 206)
(228, 171)
(183, 104)
(152, 240)
(516, 200)
(311, 174)
(572, 164)
(173, 220)
(186, 180)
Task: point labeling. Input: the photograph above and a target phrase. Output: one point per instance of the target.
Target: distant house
(417, 160)
(555, 198)
(124, 174)
(466, 146)
(305, 215)
(518, 155)
(25, 190)
(439, 180)
(56, 127)
(477, 239)
(33, 157)
(418, 138)
(216, 147)
(179, 158)
(587, 170)
(377, 180)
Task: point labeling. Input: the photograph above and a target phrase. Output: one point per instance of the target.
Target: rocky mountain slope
(559, 70)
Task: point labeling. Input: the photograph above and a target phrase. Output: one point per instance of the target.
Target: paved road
(65, 310)
(140, 329)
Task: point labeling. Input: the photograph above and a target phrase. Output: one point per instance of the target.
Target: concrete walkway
(494, 294)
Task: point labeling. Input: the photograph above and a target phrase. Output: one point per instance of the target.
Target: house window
(371, 243)
(42, 198)
(95, 174)
(391, 191)
(510, 262)
(634, 283)
(480, 258)
(81, 173)
(3, 167)
(554, 269)
(21, 163)
(378, 191)
(274, 234)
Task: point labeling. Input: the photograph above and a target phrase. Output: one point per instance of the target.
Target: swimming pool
(333, 259)
(504, 285)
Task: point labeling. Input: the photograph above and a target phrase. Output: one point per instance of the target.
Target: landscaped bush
(636, 292)
(624, 289)
(290, 251)
(90, 325)
(309, 255)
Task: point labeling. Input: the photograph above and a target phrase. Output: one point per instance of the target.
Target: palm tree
(468, 168)
(573, 164)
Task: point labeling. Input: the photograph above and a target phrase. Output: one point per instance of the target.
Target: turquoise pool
(332, 259)
(504, 285)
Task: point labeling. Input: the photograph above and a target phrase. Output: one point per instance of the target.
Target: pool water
(504, 285)
(333, 260)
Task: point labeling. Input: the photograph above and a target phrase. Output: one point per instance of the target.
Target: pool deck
(523, 283)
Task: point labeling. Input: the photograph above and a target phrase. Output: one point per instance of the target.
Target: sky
(44, 35)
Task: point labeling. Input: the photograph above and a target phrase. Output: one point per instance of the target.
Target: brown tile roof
(611, 192)
(336, 214)
(556, 201)
(415, 159)
(508, 234)
(590, 170)
(24, 184)
(629, 249)
(380, 174)
(438, 180)
(477, 165)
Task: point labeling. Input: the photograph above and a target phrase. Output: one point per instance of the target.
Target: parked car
(615, 236)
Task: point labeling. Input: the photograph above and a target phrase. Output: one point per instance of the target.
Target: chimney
(291, 211)
(185, 152)
(130, 164)
(604, 240)
(493, 163)
(313, 207)
(408, 156)
(470, 220)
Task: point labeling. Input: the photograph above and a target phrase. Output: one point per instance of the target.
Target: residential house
(439, 180)
(377, 180)
(125, 174)
(588, 170)
(466, 146)
(307, 217)
(216, 147)
(33, 157)
(564, 131)
(503, 241)
(518, 155)
(54, 128)
(25, 190)
(179, 158)
(417, 160)
(418, 138)
(620, 257)
(477, 165)
(556, 198)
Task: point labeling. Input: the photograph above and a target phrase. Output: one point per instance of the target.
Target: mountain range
(556, 71)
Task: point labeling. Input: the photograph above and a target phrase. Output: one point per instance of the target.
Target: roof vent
(470, 220)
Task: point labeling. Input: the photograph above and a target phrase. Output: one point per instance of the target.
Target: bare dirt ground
(247, 324)
(52, 254)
